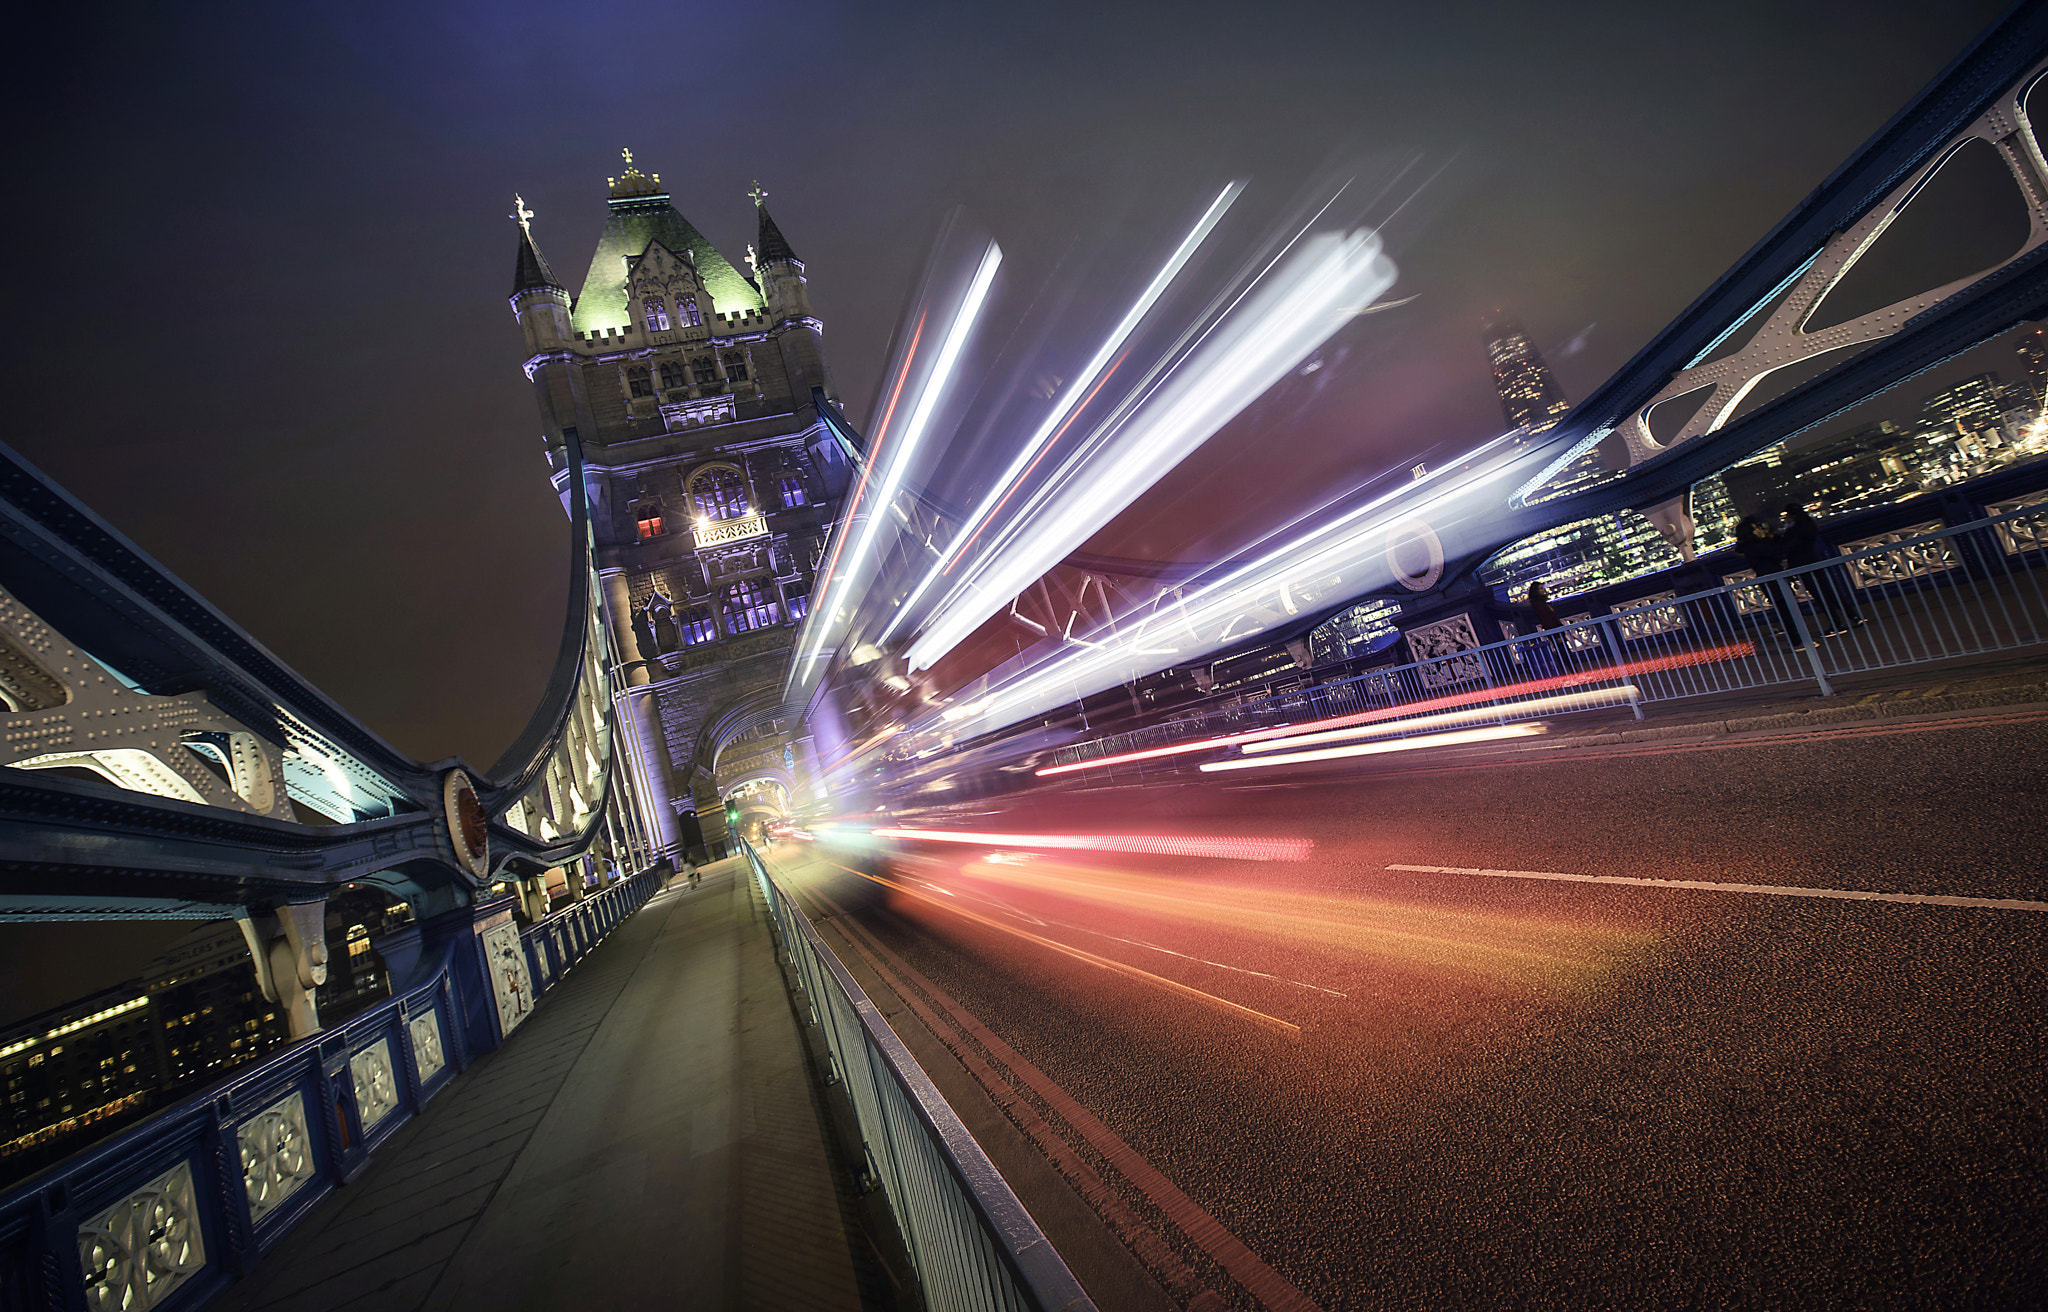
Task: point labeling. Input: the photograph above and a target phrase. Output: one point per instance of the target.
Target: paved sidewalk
(648, 1138)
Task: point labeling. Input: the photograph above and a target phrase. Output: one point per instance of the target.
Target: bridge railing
(972, 1243)
(168, 1212)
(1922, 595)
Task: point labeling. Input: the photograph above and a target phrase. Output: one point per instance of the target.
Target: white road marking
(1842, 894)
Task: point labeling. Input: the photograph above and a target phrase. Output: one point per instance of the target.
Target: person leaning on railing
(1541, 653)
(1803, 546)
(1765, 553)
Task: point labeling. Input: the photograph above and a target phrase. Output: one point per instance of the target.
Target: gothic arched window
(672, 376)
(657, 315)
(638, 382)
(686, 313)
(797, 597)
(648, 515)
(719, 493)
(694, 626)
(736, 366)
(792, 488)
(749, 605)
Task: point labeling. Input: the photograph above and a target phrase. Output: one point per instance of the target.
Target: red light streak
(1627, 669)
(1241, 849)
(868, 466)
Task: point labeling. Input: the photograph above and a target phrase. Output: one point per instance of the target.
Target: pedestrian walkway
(648, 1138)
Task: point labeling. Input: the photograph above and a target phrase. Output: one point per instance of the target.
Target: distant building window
(792, 489)
(657, 315)
(686, 313)
(748, 606)
(649, 518)
(736, 366)
(638, 383)
(672, 379)
(720, 493)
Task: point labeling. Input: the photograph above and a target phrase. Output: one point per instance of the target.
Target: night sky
(261, 253)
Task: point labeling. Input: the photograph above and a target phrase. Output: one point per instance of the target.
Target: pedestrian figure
(1765, 554)
(1804, 546)
(1542, 655)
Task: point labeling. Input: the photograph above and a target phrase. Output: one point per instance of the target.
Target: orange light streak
(1627, 669)
(1241, 849)
(1105, 963)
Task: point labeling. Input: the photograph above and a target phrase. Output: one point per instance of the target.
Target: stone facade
(713, 482)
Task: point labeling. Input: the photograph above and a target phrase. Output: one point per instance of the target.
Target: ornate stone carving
(427, 1055)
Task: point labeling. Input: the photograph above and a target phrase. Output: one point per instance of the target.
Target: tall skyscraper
(1530, 398)
(700, 396)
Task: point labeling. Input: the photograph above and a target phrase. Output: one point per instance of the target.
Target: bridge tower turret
(713, 483)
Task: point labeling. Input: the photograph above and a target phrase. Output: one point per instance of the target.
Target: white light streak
(1319, 289)
(1079, 390)
(901, 449)
(1374, 749)
(1570, 701)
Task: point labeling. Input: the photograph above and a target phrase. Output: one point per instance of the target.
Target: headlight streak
(1491, 734)
(1345, 546)
(1083, 389)
(898, 463)
(1237, 849)
(1314, 293)
(1392, 714)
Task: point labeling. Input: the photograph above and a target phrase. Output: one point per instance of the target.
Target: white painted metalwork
(376, 1085)
(137, 1252)
(730, 530)
(277, 1154)
(427, 1056)
(505, 959)
(1781, 342)
(1644, 616)
(1923, 552)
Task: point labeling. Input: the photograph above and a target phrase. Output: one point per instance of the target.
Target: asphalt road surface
(1415, 1068)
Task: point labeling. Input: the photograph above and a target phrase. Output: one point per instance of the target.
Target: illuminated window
(797, 598)
(649, 518)
(694, 625)
(736, 366)
(719, 493)
(792, 489)
(748, 605)
(686, 313)
(657, 315)
(638, 382)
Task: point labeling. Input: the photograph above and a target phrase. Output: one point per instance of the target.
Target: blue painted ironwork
(249, 1157)
(71, 849)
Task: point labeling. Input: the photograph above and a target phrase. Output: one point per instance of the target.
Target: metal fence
(168, 1212)
(972, 1243)
(1927, 593)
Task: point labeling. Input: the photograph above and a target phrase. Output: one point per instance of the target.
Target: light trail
(1239, 849)
(1085, 385)
(1376, 749)
(1315, 292)
(899, 454)
(1626, 670)
(1573, 701)
(1110, 964)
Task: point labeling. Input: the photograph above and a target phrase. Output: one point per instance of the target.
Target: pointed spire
(532, 270)
(773, 246)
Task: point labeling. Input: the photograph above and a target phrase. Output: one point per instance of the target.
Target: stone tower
(696, 391)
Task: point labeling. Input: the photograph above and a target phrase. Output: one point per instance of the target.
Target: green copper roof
(635, 222)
